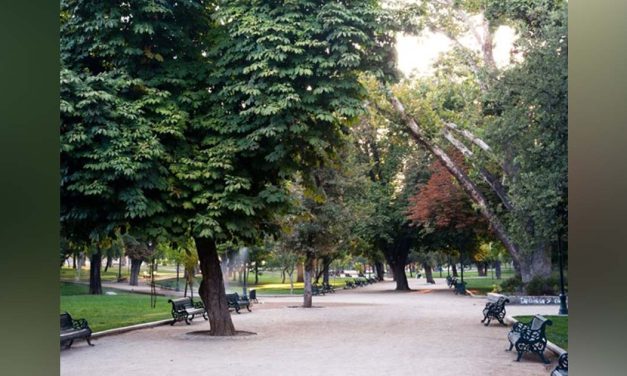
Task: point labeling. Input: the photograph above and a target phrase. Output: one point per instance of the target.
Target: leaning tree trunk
(532, 262)
(95, 283)
(135, 266)
(428, 273)
(497, 269)
(309, 270)
(325, 274)
(300, 272)
(379, 270)
(212, 290)
(109, 263)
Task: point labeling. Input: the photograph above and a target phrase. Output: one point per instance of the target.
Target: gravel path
(371, 330)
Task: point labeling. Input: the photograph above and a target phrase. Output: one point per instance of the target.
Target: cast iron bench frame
(316, 290)
(72, 329)
(495, 311)
(562, 366)
(530, 337)
(186, 309)
(235, 301)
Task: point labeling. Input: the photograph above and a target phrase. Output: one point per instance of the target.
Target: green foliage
(136, 249)
(188, 117)
(530, 133)
(544, 286)
(512, 284)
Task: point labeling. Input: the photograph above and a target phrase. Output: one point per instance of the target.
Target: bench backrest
(253, 294)
(540, 322)
(181, 303)
(234, 297)
(501, 302)
(66, 321)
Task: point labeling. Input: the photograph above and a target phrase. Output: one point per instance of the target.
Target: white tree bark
(467, 185)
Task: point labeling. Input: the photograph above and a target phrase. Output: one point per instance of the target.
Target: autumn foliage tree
(444, 209)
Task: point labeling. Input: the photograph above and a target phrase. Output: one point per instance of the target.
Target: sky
(419, 53)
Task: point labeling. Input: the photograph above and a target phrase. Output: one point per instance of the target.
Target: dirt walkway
(371, 330)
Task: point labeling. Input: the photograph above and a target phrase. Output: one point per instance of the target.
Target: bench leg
(511, 346)
(487, 322)
(89, 342)
(543, 358)
(204, 315)
(187, 321)
(519, 356)
(248, 308)
(237, 310)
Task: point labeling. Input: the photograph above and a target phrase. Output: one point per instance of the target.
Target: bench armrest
(199, 304)
(80, 324)
(519, 327)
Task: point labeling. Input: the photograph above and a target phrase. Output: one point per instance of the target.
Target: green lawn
(111, 275)
(111, 311)
(269, 283)
(556, 333)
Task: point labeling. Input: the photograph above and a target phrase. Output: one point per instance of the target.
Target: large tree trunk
(428, 273)
(400, 277)
(95, 283)
(481, 269)
(300, 277)
(454, 269)
(497, 269)
(212, 290)
(135, 266)
(325, 274)
(535, 264)
(309, 269)
(380, 270)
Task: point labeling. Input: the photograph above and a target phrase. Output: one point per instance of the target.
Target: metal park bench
(72, 329)
(186, 309)
(494, 311)
(529, 337)
(236, 302)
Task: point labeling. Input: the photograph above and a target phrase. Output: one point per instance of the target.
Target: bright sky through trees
(418, 54)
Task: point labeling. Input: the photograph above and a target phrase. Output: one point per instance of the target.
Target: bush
(512, 284)
(544, 286)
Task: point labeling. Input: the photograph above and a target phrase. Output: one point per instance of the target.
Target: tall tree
(189, 116)
(531, 94)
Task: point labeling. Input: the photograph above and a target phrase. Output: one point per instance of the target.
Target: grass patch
(556, 333)
(269, 284)
(111, 311)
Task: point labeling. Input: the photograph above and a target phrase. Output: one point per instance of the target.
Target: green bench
(236, 302)
(530, 337)
(72, 329)
(186, 309)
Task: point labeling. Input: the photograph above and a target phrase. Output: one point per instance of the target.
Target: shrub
(512, 284)
(544, 286)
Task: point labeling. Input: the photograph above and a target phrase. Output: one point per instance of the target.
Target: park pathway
(371, 330)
